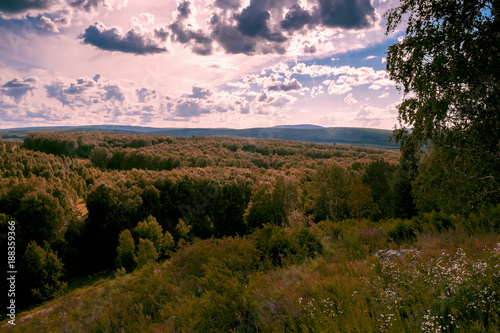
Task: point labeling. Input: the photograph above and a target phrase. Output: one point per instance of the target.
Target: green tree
(379, 177)
(260, 210)
(146, 253)
(272, 201)
(329, 190)
(125, 251)
(168, 243)
(45, 270)
(152, 230)
(183, 230)
(447, 66)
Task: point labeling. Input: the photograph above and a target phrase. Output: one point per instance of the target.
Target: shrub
(403, 231)
(307, 243)
(272, 243)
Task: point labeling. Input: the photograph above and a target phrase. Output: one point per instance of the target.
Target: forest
(142, 232)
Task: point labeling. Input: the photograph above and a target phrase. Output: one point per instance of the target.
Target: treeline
(129, 151)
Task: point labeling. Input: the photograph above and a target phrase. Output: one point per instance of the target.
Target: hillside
(307, 133)
(143, 232)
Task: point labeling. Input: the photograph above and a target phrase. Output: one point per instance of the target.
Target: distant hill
(366, 137)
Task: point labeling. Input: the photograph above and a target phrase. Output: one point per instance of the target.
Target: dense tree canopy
(448, 68)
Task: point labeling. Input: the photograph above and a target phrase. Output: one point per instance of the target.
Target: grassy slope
(449, 281)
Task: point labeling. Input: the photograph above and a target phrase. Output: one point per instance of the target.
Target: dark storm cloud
(17, 88)
(88, 5)
(347, 14)
(227, 4)
(112, 39)
(200, 42)
(296, 18)
(20, 6)
(231, 39)
(184, 9)
(254, 30)
(253, 22)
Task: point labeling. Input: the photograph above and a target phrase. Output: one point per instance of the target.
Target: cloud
(199, 93)
(144, 94)
(347, 14)
(373, 116)
(253, 21)
(113, 93)
(316, 91)
(79, 87)
(90, 5)
(79, 93)
(20, 6)
(337, 89)
(183, 31)
(135, 41)
(231, 39)
(227, 4)
(56, 90)
(189, 109)
(349, 99)
(296, 18)
(287, 85)
(264, 26)
(18, 88)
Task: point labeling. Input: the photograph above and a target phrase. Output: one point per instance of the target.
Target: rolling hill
(367, 137)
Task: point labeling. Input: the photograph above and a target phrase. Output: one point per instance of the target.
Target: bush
(403, 231)
(487, 219)
(308, 244)
(273, 244)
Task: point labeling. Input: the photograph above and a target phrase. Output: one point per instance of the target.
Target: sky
(196, 63)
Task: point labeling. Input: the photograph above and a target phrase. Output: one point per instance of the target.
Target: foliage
(403, 231)
(329, 190)
(150, 229)
(43, 264)
(448, 67)
(146, 253)
(125, 251)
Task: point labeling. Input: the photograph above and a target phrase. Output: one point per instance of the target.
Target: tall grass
(329, 277)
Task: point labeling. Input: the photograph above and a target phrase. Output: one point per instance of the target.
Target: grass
(449, 282)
